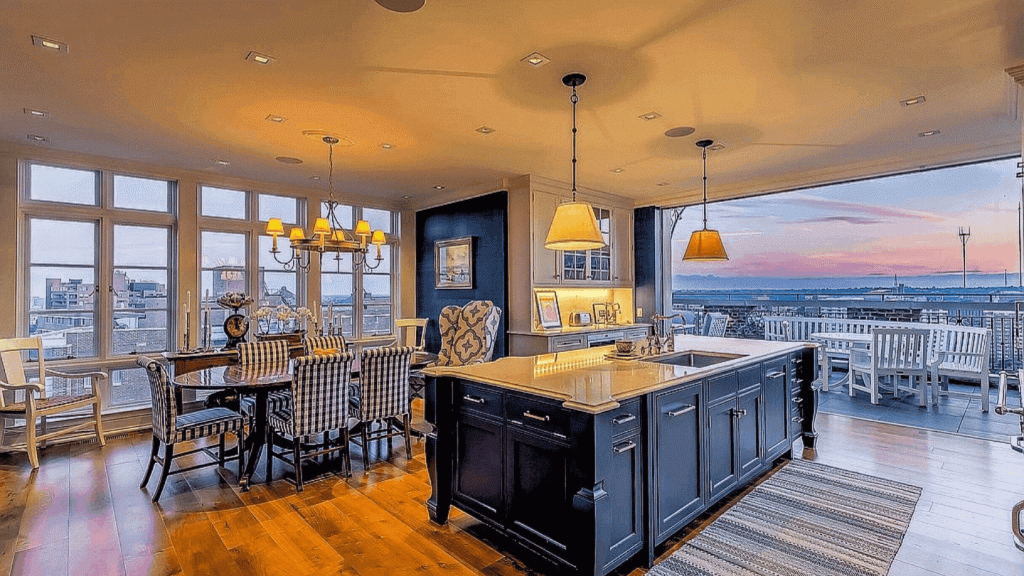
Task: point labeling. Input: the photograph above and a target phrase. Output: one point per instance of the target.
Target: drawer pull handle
(623, 419)
(798, 419)
(740, 413)
(681, 411)
(474, 399)
(775, 374)
(624, 447)
(539, 418)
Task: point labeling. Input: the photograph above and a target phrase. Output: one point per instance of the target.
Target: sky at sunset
(905, 225)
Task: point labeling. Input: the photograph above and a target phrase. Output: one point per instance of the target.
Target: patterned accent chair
(266, 352)
(468, 333)
(170, 428)
(320, 389)
(383, 398)
(312, 343)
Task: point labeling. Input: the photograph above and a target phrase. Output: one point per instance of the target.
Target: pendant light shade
(705, 244)
(574, 226)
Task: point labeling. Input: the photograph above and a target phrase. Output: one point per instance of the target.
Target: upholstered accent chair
(320, 393)
(468, 333)
(383, 398)
(268, 353)
(171, 428)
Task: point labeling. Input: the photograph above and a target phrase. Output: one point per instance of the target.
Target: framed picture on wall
(453, 263)
(547, 309)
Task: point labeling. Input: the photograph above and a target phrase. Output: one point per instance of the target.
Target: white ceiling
(799, 91)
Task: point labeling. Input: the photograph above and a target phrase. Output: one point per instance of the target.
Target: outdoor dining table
(260, 380)
(853, 339)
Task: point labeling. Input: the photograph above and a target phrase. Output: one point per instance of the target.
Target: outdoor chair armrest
(76, 374)
(30, 386)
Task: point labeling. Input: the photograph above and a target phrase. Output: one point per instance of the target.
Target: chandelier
(327, 235)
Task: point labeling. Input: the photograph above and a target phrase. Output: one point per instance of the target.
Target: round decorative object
(235, 327)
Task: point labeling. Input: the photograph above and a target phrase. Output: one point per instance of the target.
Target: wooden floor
(83, 513)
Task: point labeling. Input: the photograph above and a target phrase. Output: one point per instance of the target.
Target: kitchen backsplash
(583, 299)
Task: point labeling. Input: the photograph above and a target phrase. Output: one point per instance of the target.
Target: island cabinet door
(479, 458)
(749, 446)
(777, 439)
(678, 465)
(624, 531)
(723, 469)
(539, 502)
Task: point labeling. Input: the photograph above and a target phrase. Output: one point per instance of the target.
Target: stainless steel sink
(694, 358)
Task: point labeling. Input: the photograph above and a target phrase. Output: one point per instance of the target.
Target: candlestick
(188, 331)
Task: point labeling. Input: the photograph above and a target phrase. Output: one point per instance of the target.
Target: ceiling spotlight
(276, 118)
(618, 170)
(716, 146)
(387, 146)
(314, 177)
(54, 45)
(406, 196)
(662, 183)
(679, 131)
(36, 113)
(928, 133)
(912, 101)
(485, 130)
(259, 58)
(649, 116)
(221, 162)
(37, 138)
(288, 160)
(438, 187)
(536, 59)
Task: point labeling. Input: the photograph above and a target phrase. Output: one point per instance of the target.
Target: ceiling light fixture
(314, 177)
(401, 5)
(536, 59)
(649, 116)
(387, 146)
(259, 58)
(705, 244)
(327, 234)
(618, 170)
(485, 130)
(662, 183)
(679, 131)
(36, 113)
(716, 146)
(438, 187)
(574, 226)
(277, 119)
(928, 133)
(37, 138)
(54, 45)
(912, 101)
(288, 160)
(221, 162)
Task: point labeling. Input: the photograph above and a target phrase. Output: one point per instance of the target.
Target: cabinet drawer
(479, 399)
(722, 386)
(605, 336)
(568, 342)
(636, 334)
(626, 418)
(537, 415)
(749, 377)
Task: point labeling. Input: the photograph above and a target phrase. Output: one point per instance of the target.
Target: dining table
(259, 380)
(839, 341)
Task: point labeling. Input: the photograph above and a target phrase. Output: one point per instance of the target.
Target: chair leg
(366, 447)
(922, 390)
(298, 463)
(348, 451)
(97, 415)
(241, 452)
(30, 441)
(168, 456)
(874, 389)
(152, 462)
(220, 451)
(42, 426)
(984, 392)
(389, 430)
(270, 452)
(407, 421)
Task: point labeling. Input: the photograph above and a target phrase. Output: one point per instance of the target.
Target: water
(976, 282)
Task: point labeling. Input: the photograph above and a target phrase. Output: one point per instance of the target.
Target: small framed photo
(453, 263)
(600, 313)
(547, 309)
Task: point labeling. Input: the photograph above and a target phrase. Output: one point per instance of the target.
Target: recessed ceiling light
(406, 196)
(928, 133)
(679, 131)
(387, 146)
(314, 177)
(485, 130)
(716, 146)
(276, 118)
(221, 162)
(288, 160)
(438, 187)
(618, 170)
(650, 116)
(912, 101)
(49, 44)
(662, 183)
(37, 138)
(259, 58)
(318, 135)
(536, 59)
(36, 113)
(401, 5)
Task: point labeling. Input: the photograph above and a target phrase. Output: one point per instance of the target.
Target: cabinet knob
(740, 413)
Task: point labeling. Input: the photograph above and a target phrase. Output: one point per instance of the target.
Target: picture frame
(600, 313)
(453, 263)
(547, 309)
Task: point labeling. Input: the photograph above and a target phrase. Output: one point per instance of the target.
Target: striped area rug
(808, 518)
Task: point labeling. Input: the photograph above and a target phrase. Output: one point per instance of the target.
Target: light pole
(964, 235)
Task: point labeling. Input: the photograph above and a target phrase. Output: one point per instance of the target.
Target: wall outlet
(639, 312)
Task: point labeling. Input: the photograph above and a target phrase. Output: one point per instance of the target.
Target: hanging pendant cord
(704, 154)
(330, 171)
(574, 99)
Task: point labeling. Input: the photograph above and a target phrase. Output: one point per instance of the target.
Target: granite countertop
(581, 329)
(587, 380)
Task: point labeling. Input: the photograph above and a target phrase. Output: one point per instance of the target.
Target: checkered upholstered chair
(383, 398)
(170, 428)
(468, 333)
(266, 352)
(312, 343)
(320, 390)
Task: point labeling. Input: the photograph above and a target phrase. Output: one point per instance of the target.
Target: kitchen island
(592, 461)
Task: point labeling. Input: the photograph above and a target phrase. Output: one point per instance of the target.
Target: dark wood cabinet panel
(678, 462)
(625, 488)
(721, 443)
(539, 501)
(746, 419)
(777, 414)
(479, 457)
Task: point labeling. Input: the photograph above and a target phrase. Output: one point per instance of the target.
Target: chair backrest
(963, 346)
(468, 333)
(778, 330)
(337, 342)
(715, 324)
(164, 412)
(900, 348)
(411, 332)
(320, 388)
(384, 382)
(263, 352)
(12, 368)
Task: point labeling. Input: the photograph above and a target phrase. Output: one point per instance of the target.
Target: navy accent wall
(647, 254)
(485, 218)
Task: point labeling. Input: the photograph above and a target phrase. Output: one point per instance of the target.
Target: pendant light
(574, 226)
(705, 244)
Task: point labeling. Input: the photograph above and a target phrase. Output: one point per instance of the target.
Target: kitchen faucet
(661, 343)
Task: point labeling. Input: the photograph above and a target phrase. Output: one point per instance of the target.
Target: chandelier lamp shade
(574, 226)
(705, 244)
(327, 235)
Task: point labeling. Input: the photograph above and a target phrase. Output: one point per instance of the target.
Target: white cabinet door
(622, 247)
(546, 269)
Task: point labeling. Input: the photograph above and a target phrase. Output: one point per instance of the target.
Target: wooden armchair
(36, 405)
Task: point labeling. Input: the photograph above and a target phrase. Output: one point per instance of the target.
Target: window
(53, 184)
(221, 203)
(62, 286)
(140, 280)
(223, 270)
(283, 207)
(141, 193)
(377, 308)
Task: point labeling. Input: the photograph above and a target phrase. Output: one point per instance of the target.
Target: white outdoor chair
(715, 324)
(960, 352)
(894, 352)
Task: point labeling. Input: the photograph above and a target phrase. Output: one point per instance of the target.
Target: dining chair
(468, 333)
(893, 352)
(171, 428)
(313, 343)
(265, 352)
(320, 394)
(411, 332)
(37, 405)
(383, 398)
